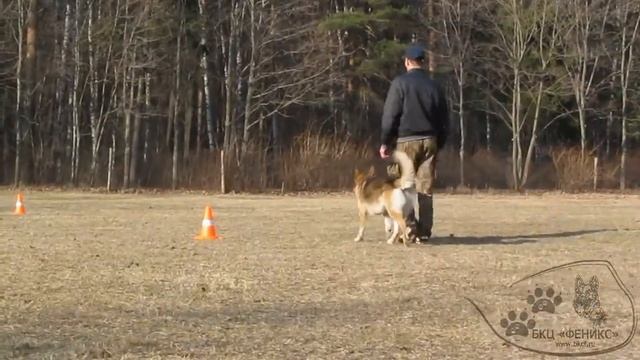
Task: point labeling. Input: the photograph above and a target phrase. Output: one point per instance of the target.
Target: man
(415, 120)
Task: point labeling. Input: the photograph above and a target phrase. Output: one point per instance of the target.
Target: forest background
(288, 94)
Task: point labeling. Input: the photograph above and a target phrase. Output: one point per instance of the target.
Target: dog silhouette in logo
(586, 302)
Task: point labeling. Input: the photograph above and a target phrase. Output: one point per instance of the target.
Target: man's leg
(413, 149)
(426, 174)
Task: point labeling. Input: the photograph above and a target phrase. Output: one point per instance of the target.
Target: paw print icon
(544, 301)
(515, 326)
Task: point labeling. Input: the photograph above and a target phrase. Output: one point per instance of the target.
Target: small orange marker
(20, 209)
(209, 231)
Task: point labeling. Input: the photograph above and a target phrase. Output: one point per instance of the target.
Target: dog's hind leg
(400, 227)
(388, 224)
(412, 224)
(362, 214)
(394, 233)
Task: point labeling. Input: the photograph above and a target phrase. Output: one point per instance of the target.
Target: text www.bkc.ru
(574, 344)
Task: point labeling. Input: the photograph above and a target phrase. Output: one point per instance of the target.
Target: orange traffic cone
(20, 209)
(209, 230)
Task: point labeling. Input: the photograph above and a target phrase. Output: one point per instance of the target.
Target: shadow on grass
(508, 240)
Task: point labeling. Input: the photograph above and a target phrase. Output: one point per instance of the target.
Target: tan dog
(392, 198)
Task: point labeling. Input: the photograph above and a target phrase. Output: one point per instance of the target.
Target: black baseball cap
(415, 52)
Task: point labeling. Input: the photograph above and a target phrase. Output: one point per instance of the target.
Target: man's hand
(384, 152)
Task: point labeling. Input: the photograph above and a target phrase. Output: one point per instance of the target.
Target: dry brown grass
(119, 276)
(573, 170)
(317, 161)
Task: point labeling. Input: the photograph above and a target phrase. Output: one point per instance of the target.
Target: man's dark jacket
(415, 107)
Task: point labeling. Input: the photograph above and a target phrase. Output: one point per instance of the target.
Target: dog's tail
(407, 171)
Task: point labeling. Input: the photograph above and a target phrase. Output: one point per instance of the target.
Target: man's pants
(423, 154)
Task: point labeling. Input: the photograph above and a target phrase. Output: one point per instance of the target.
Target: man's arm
(392, 113)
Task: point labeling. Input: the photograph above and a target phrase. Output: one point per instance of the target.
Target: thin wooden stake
(110, 169)
(595, 173)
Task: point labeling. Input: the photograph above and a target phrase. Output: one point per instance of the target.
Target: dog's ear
(372, 170)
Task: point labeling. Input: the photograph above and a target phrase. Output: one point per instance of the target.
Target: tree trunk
(93, 96)
(515, 127)
(128, 106)
(135, 143)
(188, 118)
(238, 116)
(147, 108)
(61, 116)
(624, 80)
(102, 113)
(176, 137)
(30, 83)
(488, 131)
(431, 39)
(462, 132)
(534, 134)
(127, 147)
(623, 152)
(263, 153)
(128, 84)
(252, 66)
(229, 79)
(627, 57)
(18, 159)
(172, 105)
(611, 110)
(5, 135)
(75, 146)
(275, 133)
(199, 123)
(340, 124)
(204, 64)
(583, 126)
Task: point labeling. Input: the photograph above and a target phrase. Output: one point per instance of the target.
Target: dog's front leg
(362, 214)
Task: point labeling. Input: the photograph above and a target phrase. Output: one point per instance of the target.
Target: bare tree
(18, 108)
(135, 142)
(629, 20)
(204, 64)
(457, 27)
(147, 108)
(293, 75)
(550, 31)
(176, 136)
(253, 24)
(60, 89)
(229, 71)
(199, 102)
(588, 19)
(514, 42)
(75, 96)
(97, 120)
(431, 36)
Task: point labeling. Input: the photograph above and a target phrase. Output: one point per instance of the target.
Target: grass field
(119, 276)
